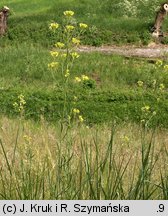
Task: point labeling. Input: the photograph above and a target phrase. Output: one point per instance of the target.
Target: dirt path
(150, 51)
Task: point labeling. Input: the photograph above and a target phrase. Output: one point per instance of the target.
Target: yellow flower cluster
(83, 25)
(15, 105)
(82, 78)
(75, 55)
(54, 54)
(22, 100)
(69, 27)
(67, 73)
(53, 26)
(78, 79)
(166, 67)
(81, 118)
(140, 83)
(75, 41)
(53, 65)
(125, 139)
(68, 13)
(27, 138)
(146, 108)
(159, 63)
(63, 55)
(161, 87)
(20, 105)
(59, 45)
(77, 111)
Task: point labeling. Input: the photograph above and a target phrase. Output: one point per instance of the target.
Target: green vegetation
(115, 93)
(76, 125)
(101, 162)
(110, 21)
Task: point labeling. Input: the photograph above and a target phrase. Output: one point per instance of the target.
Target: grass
(119, 151)
(110, 22)
(109, 71)
(115, 93)
(105, 162)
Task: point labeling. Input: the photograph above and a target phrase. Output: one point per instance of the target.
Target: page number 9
(161, 208)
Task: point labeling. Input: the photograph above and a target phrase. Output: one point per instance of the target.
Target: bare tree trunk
(4, 12)
(161, 14)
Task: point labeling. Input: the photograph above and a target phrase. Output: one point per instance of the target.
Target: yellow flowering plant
(69, 27)
(59, 45)
(83, 25)
(161, 87)
(75, 41)
(140, 83)
(54, 53)
(53, 26)
(20, 105)
(147, 114)
(63, 56)
(53, 65)
(86, 82)
(68, 13)
(166, 67)
(159, 63)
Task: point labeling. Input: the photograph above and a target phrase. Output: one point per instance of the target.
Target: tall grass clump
(102, 162)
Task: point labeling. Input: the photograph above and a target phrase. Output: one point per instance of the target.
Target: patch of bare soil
(150, 51)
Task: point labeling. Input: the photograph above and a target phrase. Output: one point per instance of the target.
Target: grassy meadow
(81, 125)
